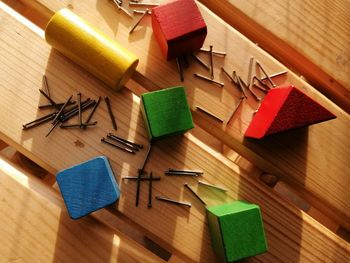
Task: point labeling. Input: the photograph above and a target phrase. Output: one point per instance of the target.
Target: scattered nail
(114, 124)
(212, 115)
(208, 79)
(164, 199)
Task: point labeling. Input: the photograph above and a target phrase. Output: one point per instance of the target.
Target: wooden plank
(311, 37)
(34, 219)
(292, 235)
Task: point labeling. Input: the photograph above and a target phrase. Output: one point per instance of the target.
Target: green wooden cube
(166, 112)
(236, 230)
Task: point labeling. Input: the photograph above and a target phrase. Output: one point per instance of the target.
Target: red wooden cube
(178, 27)
(286, 108)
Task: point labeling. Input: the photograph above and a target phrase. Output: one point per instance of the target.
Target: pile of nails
(64, 111)
(122, 144)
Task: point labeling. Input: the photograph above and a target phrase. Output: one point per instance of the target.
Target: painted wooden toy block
(166, 112)
(88, 186)
(178, 27)
(286, 108)
(236, 230)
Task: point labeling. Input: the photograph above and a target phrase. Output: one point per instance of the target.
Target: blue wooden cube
(166, 112)
(236, 230)
(88, 186)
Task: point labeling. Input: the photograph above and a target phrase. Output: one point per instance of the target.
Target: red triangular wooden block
(286, 108)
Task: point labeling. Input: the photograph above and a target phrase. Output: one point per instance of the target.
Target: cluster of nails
(263, 84)
(143, 13)
(64, 111)
(142, 176)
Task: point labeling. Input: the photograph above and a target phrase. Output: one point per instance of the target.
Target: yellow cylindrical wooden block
(97, 53)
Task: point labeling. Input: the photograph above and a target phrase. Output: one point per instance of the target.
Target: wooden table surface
(312, 161)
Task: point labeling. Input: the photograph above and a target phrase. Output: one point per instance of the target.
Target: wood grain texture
(36, 228)
(292, 235)
(311, 37)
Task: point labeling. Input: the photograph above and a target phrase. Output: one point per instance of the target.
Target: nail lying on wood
(61, 110)
(218, 53)
(126, 143)
(275, 75)
(116, 2)
(140, 12)
(143, 4)
(234, 110)
(150, 190)
(58, 105)
(140, 146)
(208, 79)
(117, 146)
(209, 114)
(263, 86)
(186, 171)
(240, 85)
(194, 193)
(83, 125)
(138, 21)
(143, 178)
(46, 85)
(266, 75)
(39, 121)
(93, 110)
(53, 127)
(250, 71)
(200, 62)
(180, 68)
(211, 62)
(212, 186)
(110, 112)
(48, 98)
(140, 172)
(229, 77)
(165, 199)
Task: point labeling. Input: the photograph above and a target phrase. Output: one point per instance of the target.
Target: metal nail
(263, 86)
(79, 110)
(180, 68)
(251, 91)
(180, 174)
(240, 85)
(48, 98)
(74, 112)
(117, 146)
(61, 110)
(143, 4)
(212, 186)
(173, 201)
(200, 62)
(150, 190)
(93, 110)
(211, 62)
(83, 125)
(229, 77)
(266, 75)
(208, 79)
(126, 141)
(275, 75)
(186, 171)
(53, 127)
(209, 113)
(115, 138)
(195, 194)
(114, 124)
(138, 22)
(39, 121)
(118, 4)
(235, 110)
(46, 85)
(143, 178)
(138, 187)
(218, 53)
(250, 71)
(140, 12)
